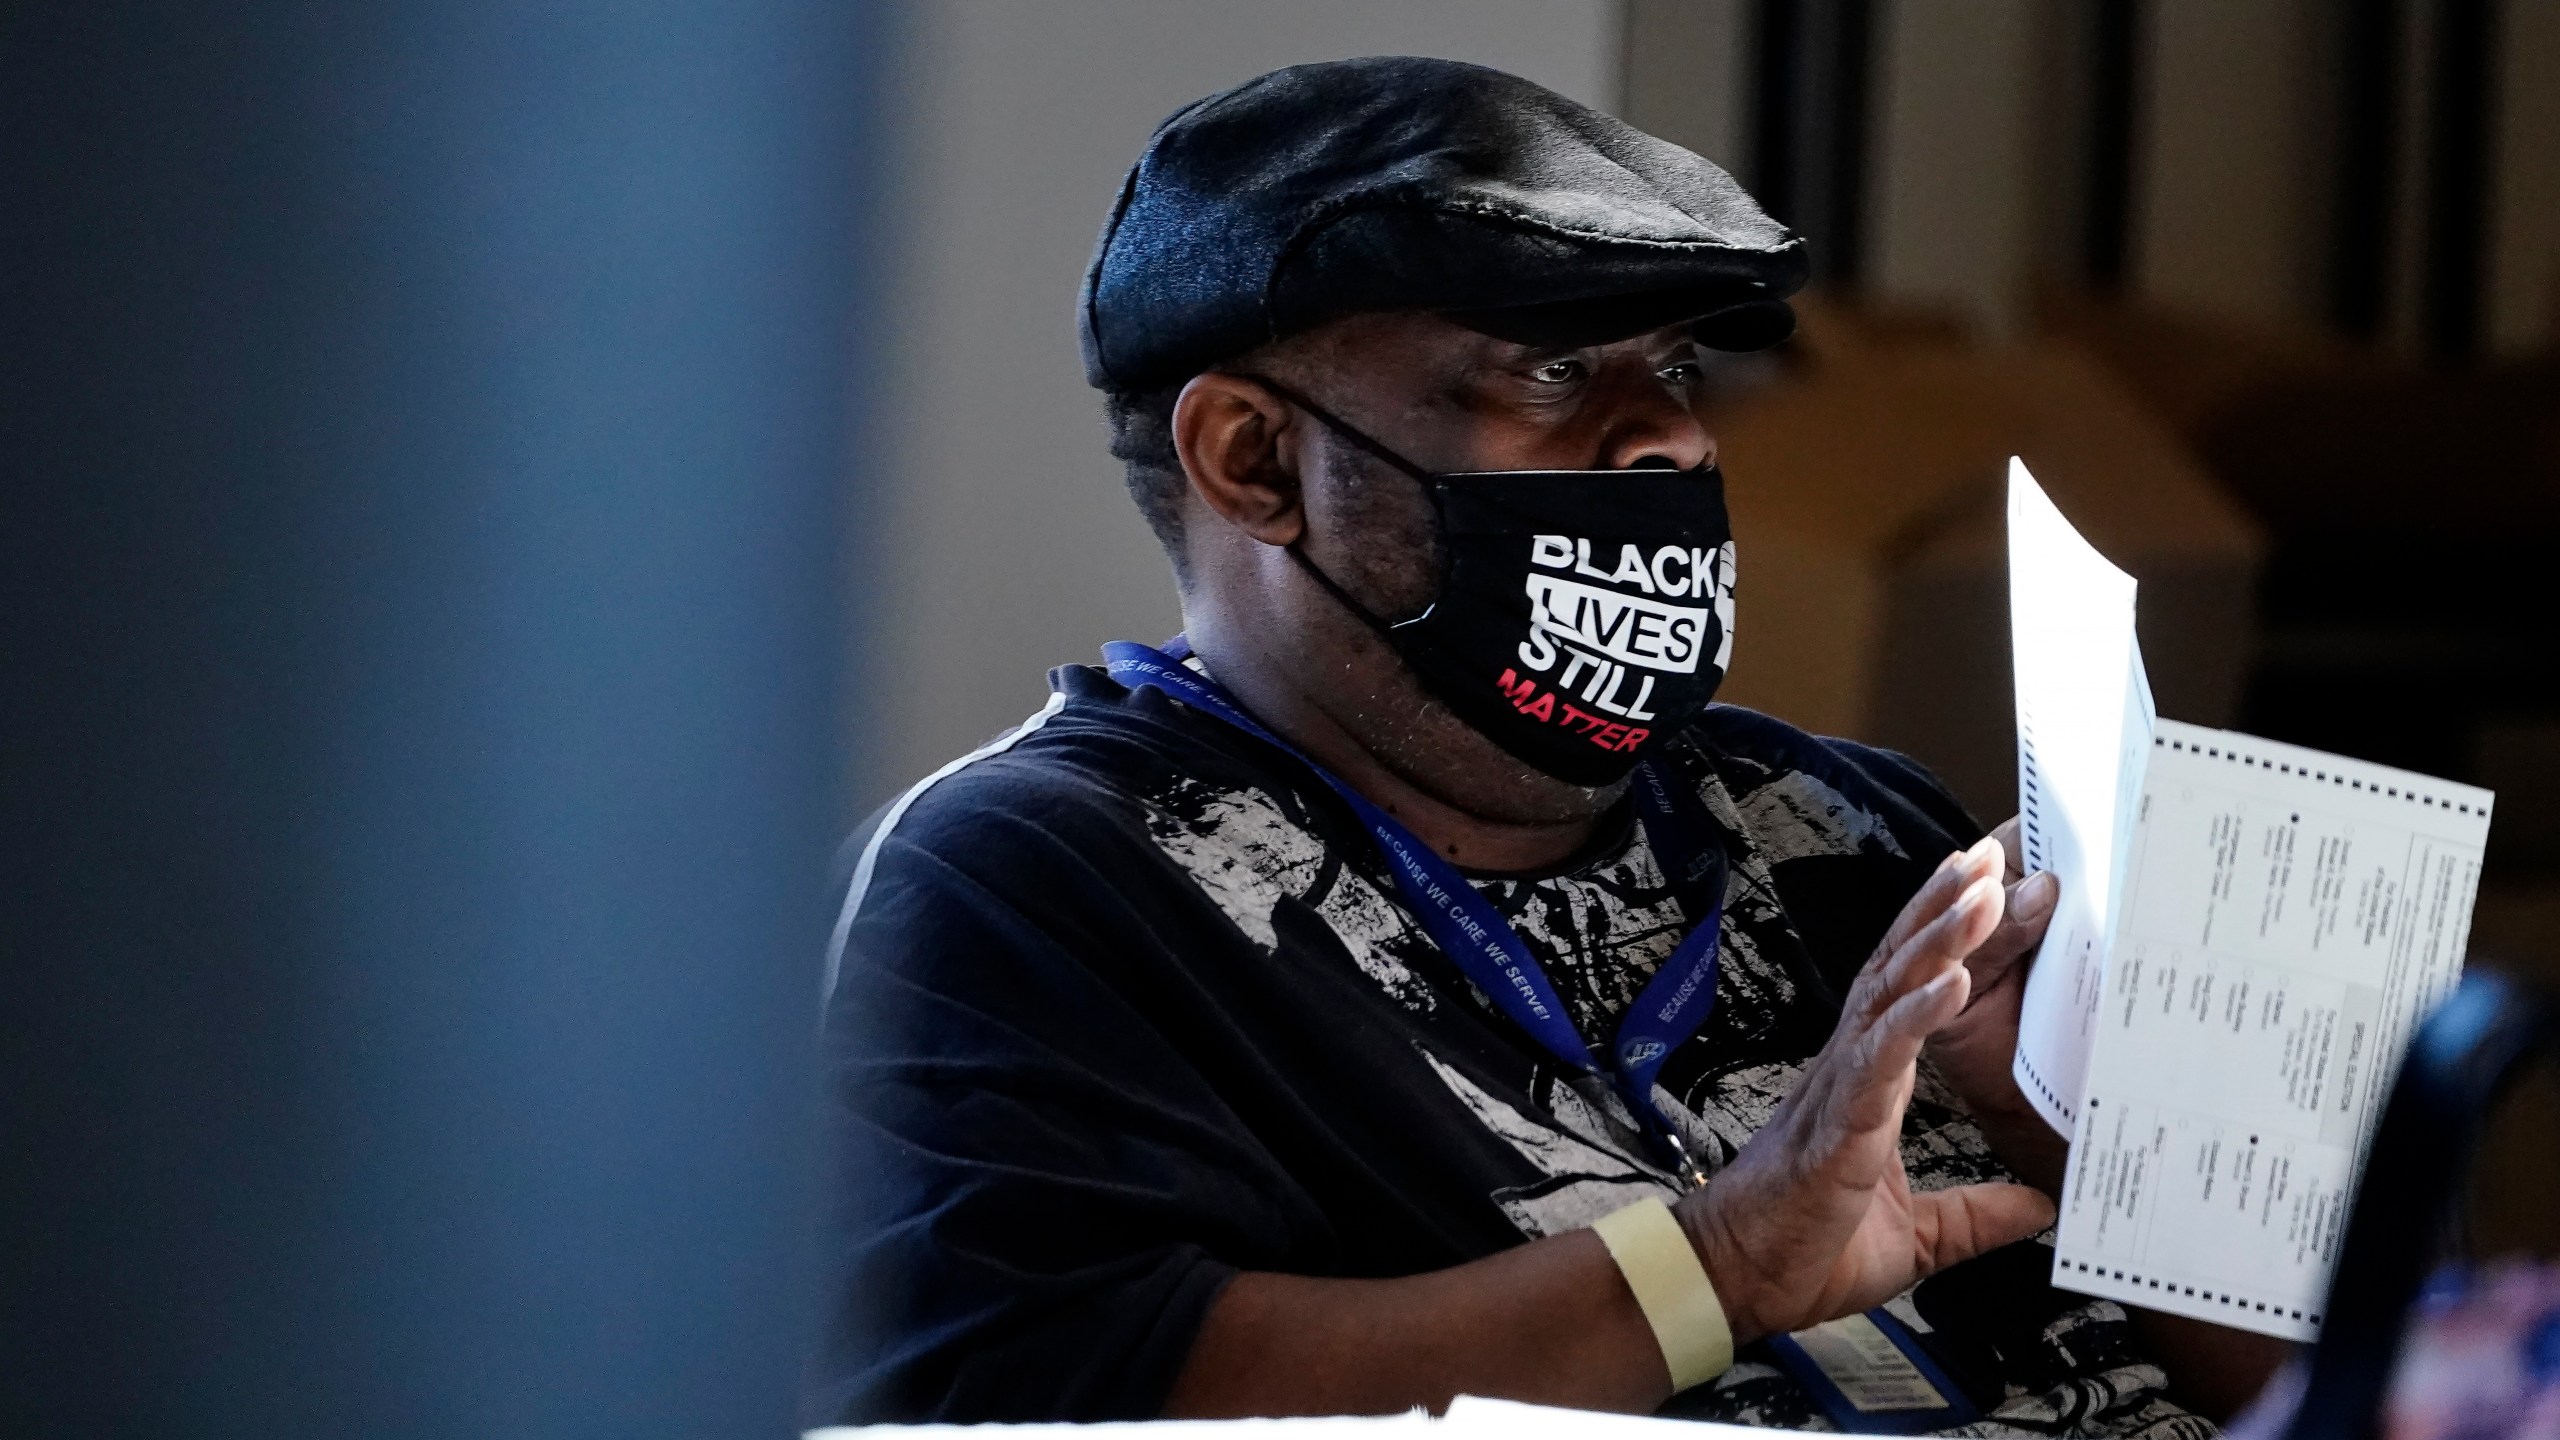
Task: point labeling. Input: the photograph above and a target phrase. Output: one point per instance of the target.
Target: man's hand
(1815, 1219)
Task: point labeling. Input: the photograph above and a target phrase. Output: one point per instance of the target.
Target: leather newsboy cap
(1400, 183)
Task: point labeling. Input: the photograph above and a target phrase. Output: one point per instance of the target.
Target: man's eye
(1558, 372)
(1684, 372)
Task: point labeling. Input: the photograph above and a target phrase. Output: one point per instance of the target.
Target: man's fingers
(1895, 1040)
(1867, 1093)
(1957, 931)
(1943, 886)
(1949, 1227)
(2023, 918)
(1922, 957)
(1886, 975)
(1906, 993)
(2015, 868)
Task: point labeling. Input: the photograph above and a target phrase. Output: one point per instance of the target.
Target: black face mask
(1582, 615)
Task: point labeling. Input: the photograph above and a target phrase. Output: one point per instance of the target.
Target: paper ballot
(2084, 725)
(2246, 933)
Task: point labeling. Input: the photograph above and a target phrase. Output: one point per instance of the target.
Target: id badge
(1871, 1375)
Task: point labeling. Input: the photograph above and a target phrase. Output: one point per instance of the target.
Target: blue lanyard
(1670, 1009)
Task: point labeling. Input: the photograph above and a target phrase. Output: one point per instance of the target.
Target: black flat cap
(1399, 183)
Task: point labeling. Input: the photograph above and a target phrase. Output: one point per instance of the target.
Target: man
(1322, 1020)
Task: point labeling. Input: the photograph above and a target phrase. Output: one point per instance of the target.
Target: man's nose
(1656, 431)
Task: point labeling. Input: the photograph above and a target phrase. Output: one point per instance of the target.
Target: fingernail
(1982, 892)
(2036, 895)
(1988, 845)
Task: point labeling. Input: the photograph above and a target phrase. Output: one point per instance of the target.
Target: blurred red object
(2483, 1359)
(2481, 1362)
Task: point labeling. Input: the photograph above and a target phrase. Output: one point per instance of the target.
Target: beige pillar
(2233, 146)
(2522, 289)
(1950, 220)
(1688, 76)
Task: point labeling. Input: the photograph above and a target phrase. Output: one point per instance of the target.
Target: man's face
(1447, 399)
(1451, 399)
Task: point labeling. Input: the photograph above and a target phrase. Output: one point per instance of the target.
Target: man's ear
(1237, 442)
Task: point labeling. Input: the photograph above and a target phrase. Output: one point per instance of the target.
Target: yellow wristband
(1671, 1288)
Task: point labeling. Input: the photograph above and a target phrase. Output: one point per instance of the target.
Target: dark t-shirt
(1126, 1004)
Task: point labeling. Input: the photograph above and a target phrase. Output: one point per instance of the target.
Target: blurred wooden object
(2311, 432)
(2188, 369)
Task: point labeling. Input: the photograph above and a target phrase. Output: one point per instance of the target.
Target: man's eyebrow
(1513, 352)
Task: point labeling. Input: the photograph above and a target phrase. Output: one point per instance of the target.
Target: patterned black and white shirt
(1126, 1003)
